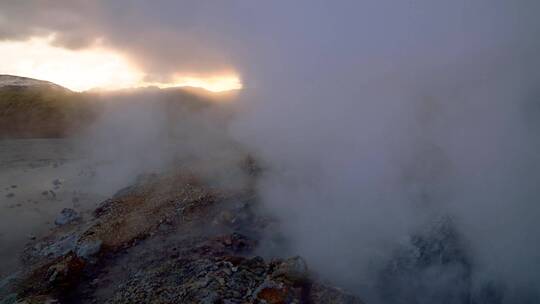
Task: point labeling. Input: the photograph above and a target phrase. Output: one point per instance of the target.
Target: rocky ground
(169, 238)
(190, 234)
(39, 178)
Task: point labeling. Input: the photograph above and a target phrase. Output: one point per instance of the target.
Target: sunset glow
(92, 68)
(218, 83)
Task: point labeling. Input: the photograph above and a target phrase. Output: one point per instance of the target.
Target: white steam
(362, 153)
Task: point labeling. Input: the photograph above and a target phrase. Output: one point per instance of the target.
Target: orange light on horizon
(92, 68)
(219, 83)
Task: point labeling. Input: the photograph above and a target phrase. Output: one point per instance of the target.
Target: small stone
(10, 195)
(67, 215)
(88, 249)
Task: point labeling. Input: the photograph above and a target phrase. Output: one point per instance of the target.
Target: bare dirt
(38, 178)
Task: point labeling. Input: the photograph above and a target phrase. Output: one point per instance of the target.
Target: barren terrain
(38, 178)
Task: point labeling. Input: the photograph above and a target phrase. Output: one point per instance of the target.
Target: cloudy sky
(165, 40)
(130, 39)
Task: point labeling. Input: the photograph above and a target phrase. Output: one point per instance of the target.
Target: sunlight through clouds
(91, 68)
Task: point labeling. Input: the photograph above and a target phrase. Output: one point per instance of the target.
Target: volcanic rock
(67, 215)
(158, 242)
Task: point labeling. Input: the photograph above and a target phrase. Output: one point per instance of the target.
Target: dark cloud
(202, 36)
(163, 38)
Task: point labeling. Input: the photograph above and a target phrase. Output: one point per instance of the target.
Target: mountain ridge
(7, 80)
(32, 108)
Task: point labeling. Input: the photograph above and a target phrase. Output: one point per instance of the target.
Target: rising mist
(400, 140)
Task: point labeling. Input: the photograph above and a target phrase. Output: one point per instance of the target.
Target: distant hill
(24, 82)
(35, 108)
(31, 108)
